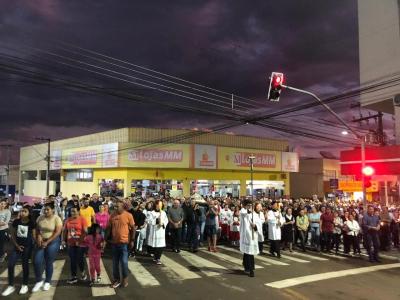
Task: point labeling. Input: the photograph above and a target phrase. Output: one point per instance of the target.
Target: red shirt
(75, 230)
(327, 222)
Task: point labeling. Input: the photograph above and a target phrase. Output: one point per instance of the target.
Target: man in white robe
(157, 221)
(248, 237)
(275, 222)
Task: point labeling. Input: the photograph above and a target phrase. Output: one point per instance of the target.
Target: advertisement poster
(97, 156)
(205, 157)
(290, 162)
(55, 163)
(110, 155)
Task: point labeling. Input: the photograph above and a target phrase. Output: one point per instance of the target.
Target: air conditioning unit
(396, 100)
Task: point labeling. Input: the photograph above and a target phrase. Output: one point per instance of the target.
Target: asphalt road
(219, 276)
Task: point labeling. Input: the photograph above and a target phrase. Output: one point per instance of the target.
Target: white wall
(37, 188)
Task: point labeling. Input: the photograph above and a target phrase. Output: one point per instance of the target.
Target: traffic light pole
(344, 123)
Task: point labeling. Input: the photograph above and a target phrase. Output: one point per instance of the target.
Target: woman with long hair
(48, 227)
(22, 236)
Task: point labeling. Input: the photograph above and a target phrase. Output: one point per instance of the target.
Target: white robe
(226, 216)
(259, 221)
(248, 240)
(274, 230)
(156, 233)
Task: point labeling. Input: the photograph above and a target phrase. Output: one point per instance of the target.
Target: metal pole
(232, 101)
(251, 158)
(344, 123)
(364, 190)
(48, 169)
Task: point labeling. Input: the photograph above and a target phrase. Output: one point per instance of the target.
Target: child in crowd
(234, 234)
(95, 244)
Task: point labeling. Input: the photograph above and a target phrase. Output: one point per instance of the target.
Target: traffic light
(368, 172)
(275, 86)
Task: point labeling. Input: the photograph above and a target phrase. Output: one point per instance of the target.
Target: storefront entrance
(152, 187)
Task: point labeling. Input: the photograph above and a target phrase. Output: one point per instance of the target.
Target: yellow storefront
(353, 189)
(207, 165)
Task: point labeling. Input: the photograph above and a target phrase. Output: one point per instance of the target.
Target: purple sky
(228, 45)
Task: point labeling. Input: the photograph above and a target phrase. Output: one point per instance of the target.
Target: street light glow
(345, 132)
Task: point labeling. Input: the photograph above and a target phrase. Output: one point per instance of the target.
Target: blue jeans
(46, 256)
(76, 256)
(202, 227)
(120, 257)
(315, 235)
(15, 255)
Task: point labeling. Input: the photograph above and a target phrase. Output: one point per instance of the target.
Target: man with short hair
(327, 227)
(122, 229)
(87, 212)
(175, 218)
(371, 228)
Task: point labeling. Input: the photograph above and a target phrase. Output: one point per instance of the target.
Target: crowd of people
(85, 226)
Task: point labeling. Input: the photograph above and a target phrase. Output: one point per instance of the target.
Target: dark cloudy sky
(228, 45)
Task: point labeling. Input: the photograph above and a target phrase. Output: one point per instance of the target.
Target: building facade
(12, 180)
(379, 55)
(143, 161)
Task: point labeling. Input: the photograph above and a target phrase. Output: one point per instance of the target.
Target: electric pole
(47, 159)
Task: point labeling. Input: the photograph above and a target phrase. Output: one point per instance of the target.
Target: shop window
(215, 188)
(329, 174)
(29, 175)
(153, 187)
(85, 175)
(111, 187)
(3, 179)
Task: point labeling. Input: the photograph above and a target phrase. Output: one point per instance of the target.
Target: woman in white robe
(275, 222)
(259, 221)
(157, 222)
(248, 237)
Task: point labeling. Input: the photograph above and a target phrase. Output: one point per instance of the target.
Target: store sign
(205, 157)
(231, 158)
(110, 155)
(97, 156)
(56, 156)
(137, 155)
(290, 162)
(155, 155)
(356, 186)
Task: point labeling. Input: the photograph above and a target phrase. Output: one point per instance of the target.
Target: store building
(12, 179)
(156, 161)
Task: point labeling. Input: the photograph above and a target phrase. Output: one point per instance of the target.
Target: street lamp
(251, 160)
(359, 137)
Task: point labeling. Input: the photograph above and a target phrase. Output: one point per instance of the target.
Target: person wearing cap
(275, 222)
(248, 237)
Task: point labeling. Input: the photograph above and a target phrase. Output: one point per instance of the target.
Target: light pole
(359, 137)
(48, 140)
(251, 160)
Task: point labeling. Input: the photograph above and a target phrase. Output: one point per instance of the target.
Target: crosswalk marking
(180, 271)
(229, 258)
(141, 274)
(202, 264)
(299, 260)
(310, 256)
(103, 288)
(329, 275)
(333, 256)
(4, 274)
(265, 260)
(48, 295)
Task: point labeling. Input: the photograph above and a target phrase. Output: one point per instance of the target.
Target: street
(219, 275)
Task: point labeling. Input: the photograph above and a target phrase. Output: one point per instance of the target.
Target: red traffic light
(368, 171)
(275, 86)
